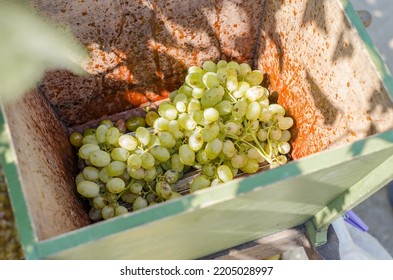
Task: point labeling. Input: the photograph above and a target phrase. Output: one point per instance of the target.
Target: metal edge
(379, 65)
(19, 204)
(204, 198)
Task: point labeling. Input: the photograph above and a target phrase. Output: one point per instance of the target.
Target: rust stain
(135, 98)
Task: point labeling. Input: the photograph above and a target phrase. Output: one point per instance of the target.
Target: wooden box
(316, 55)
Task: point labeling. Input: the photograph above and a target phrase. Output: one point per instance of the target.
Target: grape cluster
(219, 122)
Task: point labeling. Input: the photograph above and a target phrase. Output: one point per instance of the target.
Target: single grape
(167, 140)
(209, 170)
(134, 122)
(99, 202)
(112, 136)
(224, 108)
(76, 139)
(284, 148)
(265, 115)
(148, 160)
(254, 78)
(253, 111)
(108, 212)
(107, 122)
(209, 66)
(150, 174)
(104, 176)
(285, 136)
(139, 203)
(88, 189)
(185, 89)
(129, 197)
(285, 123)
(250, 167)
(79, 178)
(228, 148)
(231, 83)
(277, 109)
(116, 168)
(211, 80)
(199, 183)
(115, 185)
(138, 174)
(167, 111)
(120, 210)
(87, 149)
(224, 173)
(134, 161)
(160, 153)
(222, 64)
(186, 121)
(187, 156)
(211, 114)
(213, 148)
(196, 141)
(101, 133)
(143, 135)
(240, 109)
(95, 214)
(161, 124)
(128, 142)
(211, 132)
(171, 176)
(164, 190)
(89, 131)
(150, 117)
(120, 154)
(239, 160)
(135, 188)
(91, 173)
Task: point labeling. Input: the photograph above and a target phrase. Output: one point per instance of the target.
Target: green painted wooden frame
(313, 190)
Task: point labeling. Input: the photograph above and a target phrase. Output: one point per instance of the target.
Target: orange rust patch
(135, 98)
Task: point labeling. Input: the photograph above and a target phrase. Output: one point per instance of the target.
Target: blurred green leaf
(29, 46)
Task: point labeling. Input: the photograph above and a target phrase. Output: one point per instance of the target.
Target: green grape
(154, 141)
(128, 142)
(101, 133)
(233, 65)
(89, 131)
(186, 90)
(254, 78)
(129, 197)
(95, 214)
(228, 148)
(250, 167)
(135, 188)
(134, 161)
(89, 139)
(112, 136)
(199, 118)
(137, 173)
(209, 170)
(253, 153)
(134, 122)
(264, 102)
(231, 83)
(275, 133)
(195, 69)
(139, 203)
(199, 183)
(88, 189)
(193, 105)
(150, 117)
(91, 173)
(195, 80)
(211, 80)
(239, 161)
(104, 176)
(120, 210)
(107, 122)
(108, 212)
(284, 148)
(151, 197)
(161, 124)
(79, 178)
(168, 111)
(211, 114)
(216, 182)
(99, 202)
(242, 87)
(212, 97)
(187, 156)
(76, 139)
(186, 121)
(285, 123)
(85, 151)
(116, 168)
(198, 93)
(233, 128)
(160, 153)
(166, 139)
(143, 135)
(211, 132)
(150, 174)
(213, 148)
(262, 135)
(115, 185)
(173, 128)
(148, 160)
(240, 109)
(176, 163)
(164, 190)
(244, 69)
(181, 102)
(222, 64)
(281, 160)
(224, 108)
(120, 154)
(171, 176)
(224, 173)
(209, 66)
(175, 195)
(285, 136)
(277, 109)
(222, 74)
(166, 165)
(195, 141)
(254, 93)
(253, 111)
(265, 115)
